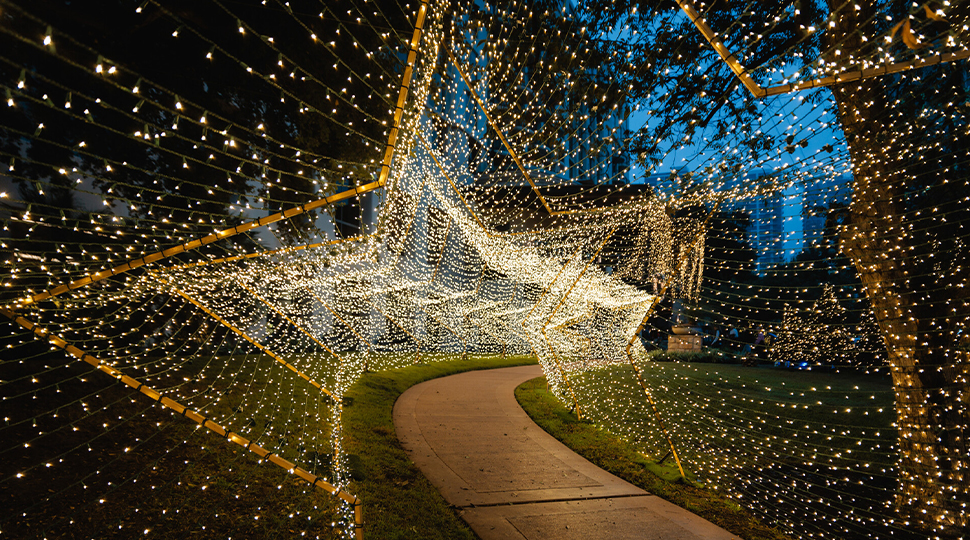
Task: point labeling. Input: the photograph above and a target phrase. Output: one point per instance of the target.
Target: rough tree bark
(909, 247)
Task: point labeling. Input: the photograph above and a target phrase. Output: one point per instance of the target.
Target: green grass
(121, 465)
(399, 502)
(807, 452)
(615, 455)
(177, 478)
(720, 412)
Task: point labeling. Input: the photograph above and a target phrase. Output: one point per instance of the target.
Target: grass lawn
(842, 420)
(85, 457)
(624, 460)
(806, 452)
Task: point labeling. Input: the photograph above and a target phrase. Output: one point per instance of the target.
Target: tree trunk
(910, 260)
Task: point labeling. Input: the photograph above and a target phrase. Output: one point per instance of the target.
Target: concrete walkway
(512, 480)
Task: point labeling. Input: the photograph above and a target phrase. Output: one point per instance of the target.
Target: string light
(247, 207)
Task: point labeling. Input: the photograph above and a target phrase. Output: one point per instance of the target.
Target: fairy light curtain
(379, 184)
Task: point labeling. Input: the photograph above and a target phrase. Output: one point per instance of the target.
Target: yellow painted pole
(268, 253)
(338, 428)
(513, 153)
(484, 229)
(643, 322)
(182, 410)
(551, 283)
(488, 117)
(739, 71)
(268, 220)
(452, 184)
(556, 309)
(759, 92)
(255, 343)
(867, 73)
(280, 312)
(193, 245)
(541, 296)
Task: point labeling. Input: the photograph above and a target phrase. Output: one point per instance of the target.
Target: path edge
(399, 501)
(700, 501)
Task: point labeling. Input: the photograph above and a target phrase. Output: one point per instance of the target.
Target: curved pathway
(512, 480)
